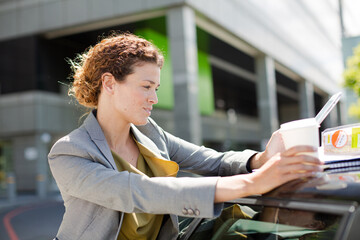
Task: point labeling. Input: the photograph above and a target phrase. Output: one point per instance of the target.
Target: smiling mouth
(148, 110)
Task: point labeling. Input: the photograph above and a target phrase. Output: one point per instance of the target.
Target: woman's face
(135, 96)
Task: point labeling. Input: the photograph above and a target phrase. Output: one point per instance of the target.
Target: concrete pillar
(334, 118)
(41, 165)
(307, 101)
(340, 113)
(11, 186)
(266, 97)
(181, 30)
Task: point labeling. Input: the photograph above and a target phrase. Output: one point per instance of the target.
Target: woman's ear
(108, 82)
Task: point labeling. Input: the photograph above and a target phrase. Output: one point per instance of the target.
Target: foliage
(352, 79)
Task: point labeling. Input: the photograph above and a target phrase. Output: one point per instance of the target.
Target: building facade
(234, 71)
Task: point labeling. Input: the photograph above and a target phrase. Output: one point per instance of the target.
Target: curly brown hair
(116, 54)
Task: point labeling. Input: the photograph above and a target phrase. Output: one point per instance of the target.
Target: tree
(352, 79)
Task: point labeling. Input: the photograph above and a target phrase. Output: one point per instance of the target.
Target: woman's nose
(153, 98)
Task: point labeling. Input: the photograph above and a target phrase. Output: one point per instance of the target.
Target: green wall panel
(165, 93)
(206, 93)
(166, 90)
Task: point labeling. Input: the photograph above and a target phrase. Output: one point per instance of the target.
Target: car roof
(335, 187)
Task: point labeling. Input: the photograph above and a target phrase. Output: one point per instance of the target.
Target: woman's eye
(149, 87)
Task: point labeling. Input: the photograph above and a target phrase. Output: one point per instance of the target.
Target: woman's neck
(116, 131)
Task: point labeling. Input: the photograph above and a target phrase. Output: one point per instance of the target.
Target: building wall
(294, 33)
(277, 28)
(31, 122)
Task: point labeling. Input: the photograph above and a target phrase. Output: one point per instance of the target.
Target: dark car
(325, 207)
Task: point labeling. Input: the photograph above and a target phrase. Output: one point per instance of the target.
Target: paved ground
(30, 218)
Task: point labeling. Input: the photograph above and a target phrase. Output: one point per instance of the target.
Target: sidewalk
(28, 199)
(29, 216)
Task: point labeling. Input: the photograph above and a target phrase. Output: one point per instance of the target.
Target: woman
(116, 172)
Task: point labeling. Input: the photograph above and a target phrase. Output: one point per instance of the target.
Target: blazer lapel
(145, 141)
(97, 135)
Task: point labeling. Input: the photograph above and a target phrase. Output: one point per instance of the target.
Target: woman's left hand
(274, 146)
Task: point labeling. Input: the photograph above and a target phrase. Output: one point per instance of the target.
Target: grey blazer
(96, 195)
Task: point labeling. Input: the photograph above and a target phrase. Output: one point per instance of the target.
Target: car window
(283, 223)
(269, 223)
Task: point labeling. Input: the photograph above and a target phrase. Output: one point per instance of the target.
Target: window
(5, 166)
(269, 223)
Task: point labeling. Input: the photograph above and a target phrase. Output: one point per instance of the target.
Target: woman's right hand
(279, 169)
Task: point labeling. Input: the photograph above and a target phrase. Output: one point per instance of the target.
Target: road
(36, 221)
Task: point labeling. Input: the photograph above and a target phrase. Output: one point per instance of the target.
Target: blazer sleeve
(198, 159)
(79, 173)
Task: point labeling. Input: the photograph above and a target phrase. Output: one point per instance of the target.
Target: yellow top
(143, 225)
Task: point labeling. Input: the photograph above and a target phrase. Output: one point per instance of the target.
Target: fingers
(301, 163)
(302, 158)
(299, 168)
(299, 175)
(299, 149)
(292, 176)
